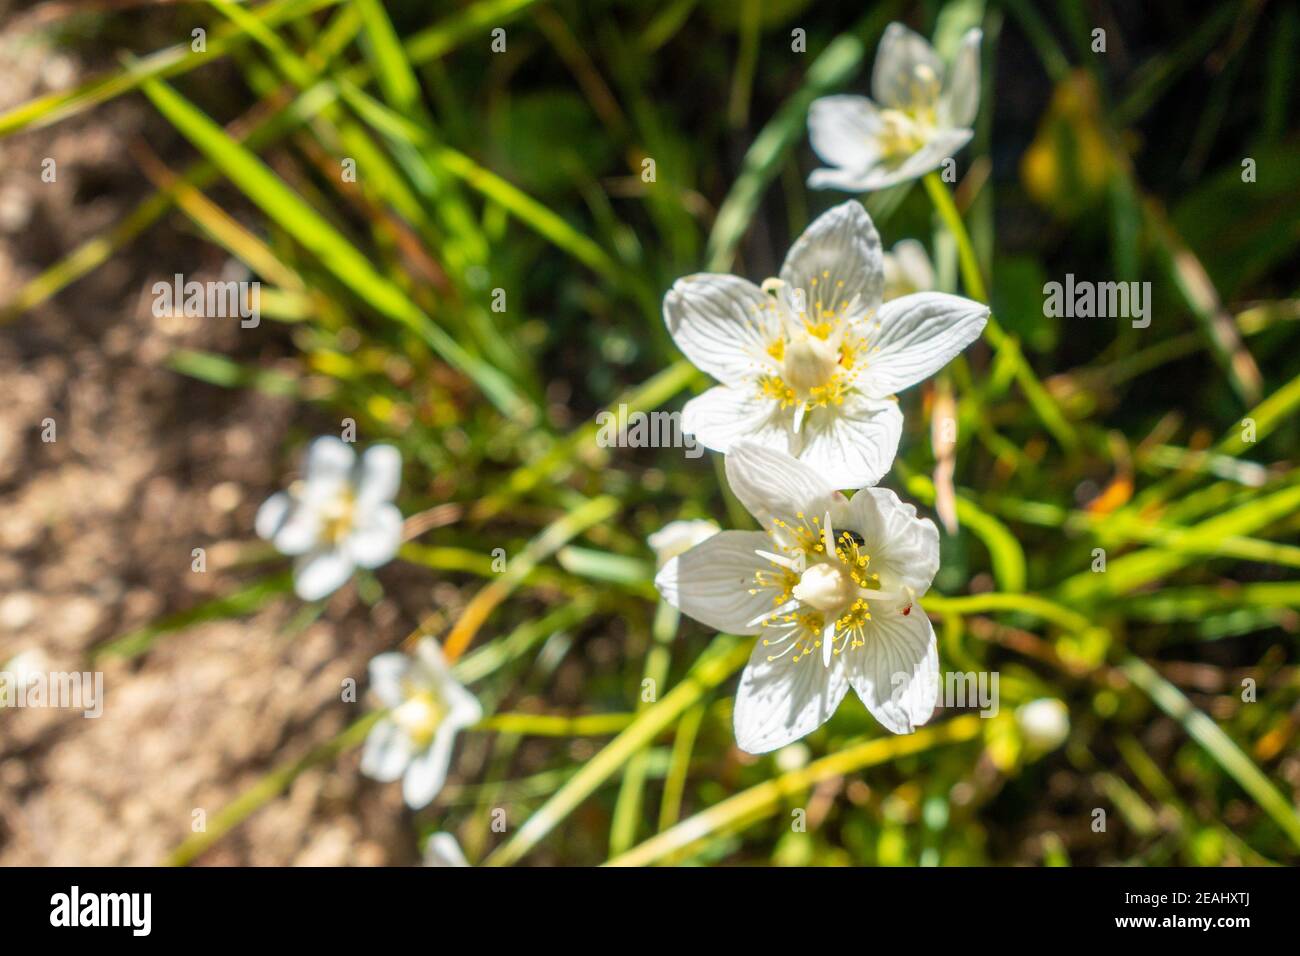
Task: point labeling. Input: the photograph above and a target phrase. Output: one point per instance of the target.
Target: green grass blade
(172, 61)
(723, 658)
(244, 601)
(349, 266)
(1217, 743)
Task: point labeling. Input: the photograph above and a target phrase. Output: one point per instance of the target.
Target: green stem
(679, 766)
(719, 661)
(1007, 345)
(757, 803)
(270, 787)
(1220, 746)
(627, 808)
(555, 725)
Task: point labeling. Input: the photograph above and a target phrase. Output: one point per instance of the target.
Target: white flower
(831, 584)
(441, 849)
(426, 707)
(1045, 723)
(16, 676)
(908, 269)
(809, 363)
(919, 117)
(677, 537)
(339, 516)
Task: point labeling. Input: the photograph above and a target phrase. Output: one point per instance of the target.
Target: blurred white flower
(339, 516)
(426, 707)
(921, 115)
(1044, 722)
(794, 757)
(809, 362)
(441, 849)
(677, 537)
(30, 661)
(908, 269)
(832, 585)
(17, 673)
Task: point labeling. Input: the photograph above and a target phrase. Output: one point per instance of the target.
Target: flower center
(816, 355)
(336, 516)
(923, 87)
(825, 605)
(901, 133)
(825, 587)
(419, 716)
(809, 363)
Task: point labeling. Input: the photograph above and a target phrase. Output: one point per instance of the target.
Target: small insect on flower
(339, 516)
(427, 706)
(921, 115)
(810, 361)
(828, 585)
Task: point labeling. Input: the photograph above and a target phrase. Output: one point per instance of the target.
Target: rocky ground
(97, 527)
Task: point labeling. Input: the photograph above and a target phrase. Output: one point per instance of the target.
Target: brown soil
(97, 527)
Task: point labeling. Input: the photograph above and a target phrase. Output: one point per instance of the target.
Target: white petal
(722, 323)
(298, 531)
(329, 459)
(271, 515)
(712, 581)
(381, 475)
(464, 709)
(321, 573)
(942, 145)
(771, 484)
(428, 771)
(918, 335)
(292, 527)
(960, 100)
(852, 444)
(441, 849)
(678, 537)
(897, 672)
(904, 549)
(845, 180)
(376, 536)
(837, 258)
(893, 78)
(725, 415)
(780, 701)
(431, 666)
(843, 131)
(908, 270)
(386, 753)
(386, 674)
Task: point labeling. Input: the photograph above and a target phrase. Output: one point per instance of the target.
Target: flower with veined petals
(338, 517)
(908, 269)
(677, 537)
(441, 849)
(831, 585)
(922, 114)
(427, 706)
(809, 363)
